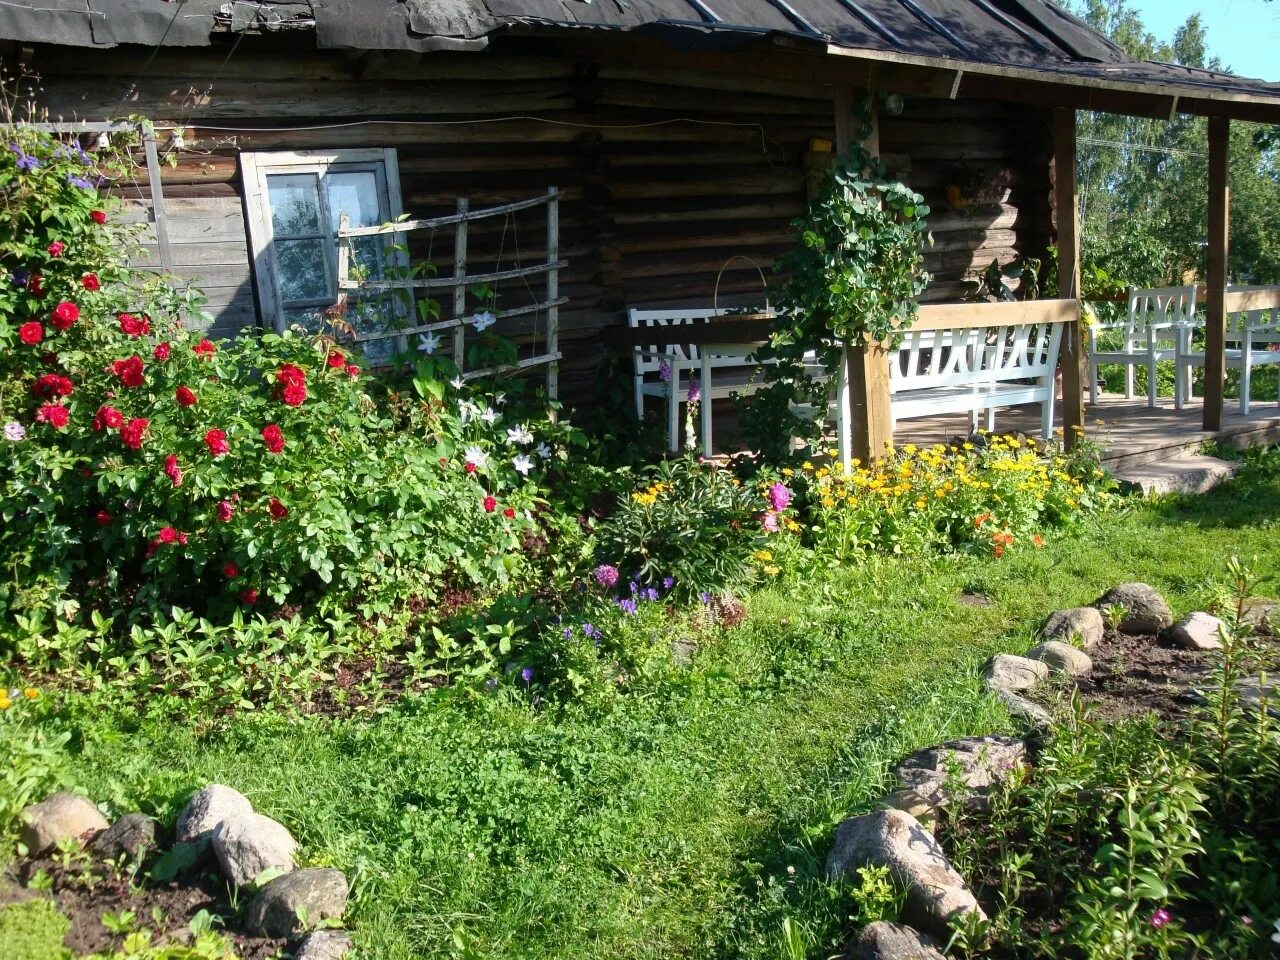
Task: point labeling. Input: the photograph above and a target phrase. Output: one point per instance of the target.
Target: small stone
(1004, 671)
(895, 840)
(320, 893)
(133, 836)
(1145, 610)
(323, 945)
(893, 941)
(58, 817)
(246, 844)
(207, 809)
(1083, 622)
(1062, 658)
(1197, 631)
(1262, 615)
(978, 762)
(1020, 708)
(682, 650)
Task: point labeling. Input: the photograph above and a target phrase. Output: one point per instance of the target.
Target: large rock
(207, 809)
(1004, 671)
(978, 763)
(131, 837)
(246, 844)
(892, 941)
(1062, 658)
(1020, 708)
(1145, 610)
(58, 817)
(1197, 631)
(1262, 615)
(893, 839)
(323, 945)
(1083, 622)
(319, 894)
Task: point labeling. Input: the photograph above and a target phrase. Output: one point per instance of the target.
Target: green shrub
(34, 762)
(33, 930)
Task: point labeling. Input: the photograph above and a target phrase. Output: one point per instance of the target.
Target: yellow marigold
(833, 452)
(787, 472)
(792, 526)
(772, 570)
(921, 503)
(910, 449)
(828, 502)
(806, 465)
(763, 556)
(4, 702)
(31, 693)
(822, 473)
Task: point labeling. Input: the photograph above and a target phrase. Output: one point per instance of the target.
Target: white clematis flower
(428, 343)
(476, 455)
(522, 464)
(483, 321)
(490, 416)
(520, 434)
(542, 450)
(456, 383)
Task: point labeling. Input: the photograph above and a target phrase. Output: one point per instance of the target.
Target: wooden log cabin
(682, 134)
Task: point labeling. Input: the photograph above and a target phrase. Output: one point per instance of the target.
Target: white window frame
(255, 167)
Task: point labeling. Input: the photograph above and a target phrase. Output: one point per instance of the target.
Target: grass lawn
(693, 816)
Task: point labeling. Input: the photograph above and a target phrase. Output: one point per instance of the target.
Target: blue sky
(1245, 34)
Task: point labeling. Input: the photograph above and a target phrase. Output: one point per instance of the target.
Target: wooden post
(553, 294)
(157, 197)
(1219, 238)
(1074, 361)
(460, 291)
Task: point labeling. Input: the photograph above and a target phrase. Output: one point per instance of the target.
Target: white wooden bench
(1252, 340)
(1152, 330)
(975, 368)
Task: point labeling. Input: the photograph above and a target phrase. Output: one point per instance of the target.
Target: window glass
(295, 204)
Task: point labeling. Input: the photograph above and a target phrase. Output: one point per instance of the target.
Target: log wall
(666, 175)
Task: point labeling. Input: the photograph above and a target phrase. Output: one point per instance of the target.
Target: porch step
(1187, 473)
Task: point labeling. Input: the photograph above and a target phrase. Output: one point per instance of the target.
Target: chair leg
(1245, 371)
(1046, 415)
(1128, 381)
(673, 412)
(1152, 385)
(1093, 382)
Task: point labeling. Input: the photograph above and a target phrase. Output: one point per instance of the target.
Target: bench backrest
(1264, 323)
(974, 355)
(1159, 309)
(647, 359)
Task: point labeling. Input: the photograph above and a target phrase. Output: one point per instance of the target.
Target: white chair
(1252, 340)
(1157, 320)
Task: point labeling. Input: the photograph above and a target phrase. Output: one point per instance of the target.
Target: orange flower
(981, 519)
(1037, 540)
(998, 550)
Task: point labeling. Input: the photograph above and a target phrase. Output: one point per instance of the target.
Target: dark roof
(1021, 39)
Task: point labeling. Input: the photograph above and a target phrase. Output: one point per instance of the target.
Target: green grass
(664, 826)
(32, 930)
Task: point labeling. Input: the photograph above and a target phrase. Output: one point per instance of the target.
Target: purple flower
(695, 391)
(526, 675)
(633, 586)
(628, 605)
(704, 597)
(20, 278)
(668, 583)
(779, 497)
(14, 431)
(606, 575)
(592, 631)
(27, 162)
(769, 520)
(1160, 918)
(651, 594)
(664, 371)
(80, 182)
(568, 632)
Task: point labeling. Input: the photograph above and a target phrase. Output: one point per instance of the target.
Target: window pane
(295, 204)
(356, 195)
(302, 266)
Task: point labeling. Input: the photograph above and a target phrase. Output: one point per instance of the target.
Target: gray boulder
(1083, 622)
(895, 840)
(1197, 631)
(1145, 610)
(1020, 708)
(133, 836)
(1062, 658)
(58, 817)
(207, 809)
(979, 763)
(892, 941)
(246, 844)
(1004, 671)
(323, 945)
(279, 908)
(1262, 615)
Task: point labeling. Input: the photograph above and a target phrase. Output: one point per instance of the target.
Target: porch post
(1074, 361)
(1216, 309)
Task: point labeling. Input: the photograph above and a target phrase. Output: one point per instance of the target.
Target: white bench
(1252, 340)
(721, 374)
(1153, 329)
(976, 368)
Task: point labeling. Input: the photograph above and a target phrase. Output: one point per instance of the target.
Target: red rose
(131, 433)
(56, 248)
(278, 510)
(90, 282)
(216, 441)
(249, 597)
(185, 396)
(335, 360)
(52, 385)
(294, 394)
(64, 315)
(225, 511)
(107, 417)
(129, 371)
(230, 571)
(205, 348)
(353, 371)
(36, 285)
(133, 324)
(104, 518)
(289, 374)
(172, 470)
(182, 539)
(273, 438)
(469, 467)
(168, 535)
(31, 333)
(98, 216)
(161, 352)
(490, 504)
(54, 414)
(509, 513)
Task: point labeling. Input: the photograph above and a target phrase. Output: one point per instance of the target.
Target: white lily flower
(475, 455)
(483, 321)
(490, 416)
(520, 434)
(542, 450)
(522, 464)
(428, 343)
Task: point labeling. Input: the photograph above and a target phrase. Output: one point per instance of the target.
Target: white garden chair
(1252, 340)
(1157, 320)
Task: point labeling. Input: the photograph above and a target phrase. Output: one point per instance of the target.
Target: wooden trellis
(461, 280)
